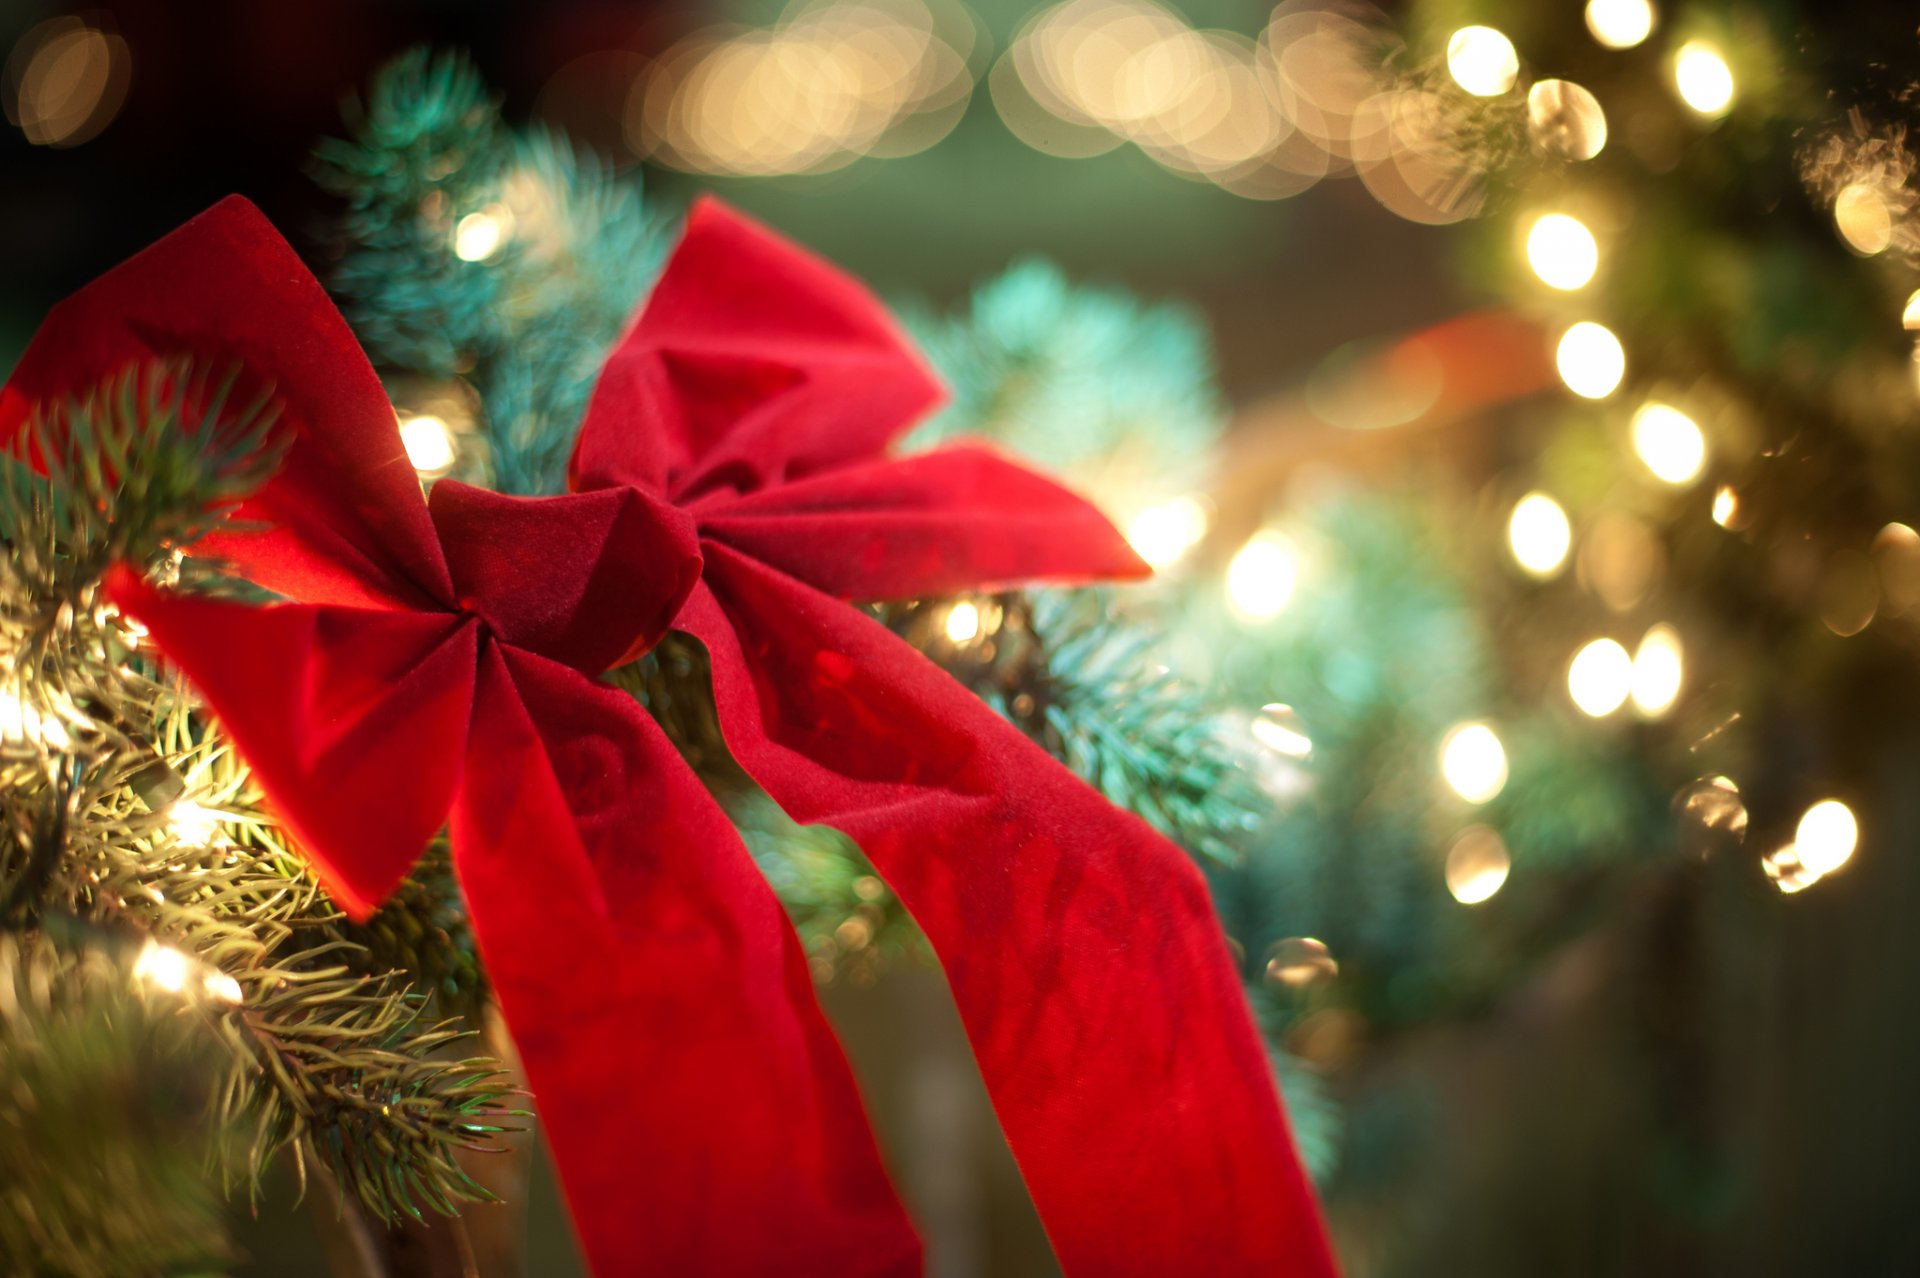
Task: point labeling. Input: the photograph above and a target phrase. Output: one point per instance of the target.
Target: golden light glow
(1565, 119)
(963, 622)
(1562, 251)
(191, 825)
(1482, 61)
(1864, 220)
(830, 82)
(65, 82)
(1278, 728)
(1620, 24)
(1896, 556)
(1704, 79)
(478, 236)
(1591, 360)
(1477, 865)
(429, 444)
(1726, 505)
(1473, 762)
(1600, 677)
(1910, 315)
(1788, 874)
(1261, 577)
(1163, 534)
(1669, 442)
(220, 987)
(162, 967)
(22, 722)
(1620, 559)
(1659, 668)
(1713, 817)
(1826, 836)
(1300, 961)
(1539, 535)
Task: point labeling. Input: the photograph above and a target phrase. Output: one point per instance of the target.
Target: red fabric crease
(442, 660)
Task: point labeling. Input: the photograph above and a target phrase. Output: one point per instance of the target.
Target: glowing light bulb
(1826, 836)
(1477, 865)
(1704, 79)
(1658, 670)
(1261, 577)
(478, 236)
(162, 967)
(191, 825)
(1600, 677)
(1163, 534)
(1669, 442)
(1300, 961)
(1910, 315)
(1539, 535)
(22, 722)
(1473, 762)
(1564, 118)
(1620, 24)
(1562, 251)
(429, 443)
(221, 988)
(1591, 360)
(1726, 505)
(1278, 728)
(963, 622)
(1482, 61)
(1861, 215)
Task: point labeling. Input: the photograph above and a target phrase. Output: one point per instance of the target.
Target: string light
(1473, 762)
(1163, 534)
(1826, 836)
(1620, 24)
(1591, 360)
(1658, 670)
(1482, 61)
(1704, 79)
(1726, 505)
(1261, 577)
(478, 236)
(1783, 866)
(1565, 119)
(1669, 442)
(963, 622)
(21, 722)
(429, 444)
(1562, 251)
(1910, 314)
(164, 968)
(1539, 535)
(1278, 728)
(1477, 865)
(191, 825)
(1300, 961)
(1600, 678)
(1864, 220)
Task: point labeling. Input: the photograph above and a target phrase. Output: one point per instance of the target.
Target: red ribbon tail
(1106, 1014)
(703, 1119)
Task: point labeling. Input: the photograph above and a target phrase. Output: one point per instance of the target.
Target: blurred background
(1519, 401)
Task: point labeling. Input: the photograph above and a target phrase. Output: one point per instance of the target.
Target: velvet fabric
(441, 660)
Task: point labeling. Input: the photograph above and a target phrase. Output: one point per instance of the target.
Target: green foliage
(136, 861)
(527, 325)
(1091, 383)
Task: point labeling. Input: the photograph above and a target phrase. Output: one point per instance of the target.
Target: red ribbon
(731, 483)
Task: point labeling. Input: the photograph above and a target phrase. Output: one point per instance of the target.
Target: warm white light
(1261, 578)
(1726, 505)
(1826, 836)
(1482, 61)
(1562, 251)
(1658, 669)
(1163, 534)
(1473, 762)
(162, 967)
(1477, 865)
(21, 722)
(1591, 360)
(1620, 24)
(1600, 677)
(1910, 316)
(478, 236)
(1539, 535)
(220, 987)
(191, 825)
(1861, 215)
(963, 622)
(1278, 728)
(1565, 119)
(428, 442)
(1669, 442)
(1703, 77)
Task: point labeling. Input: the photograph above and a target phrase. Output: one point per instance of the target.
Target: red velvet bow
(444, 656)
